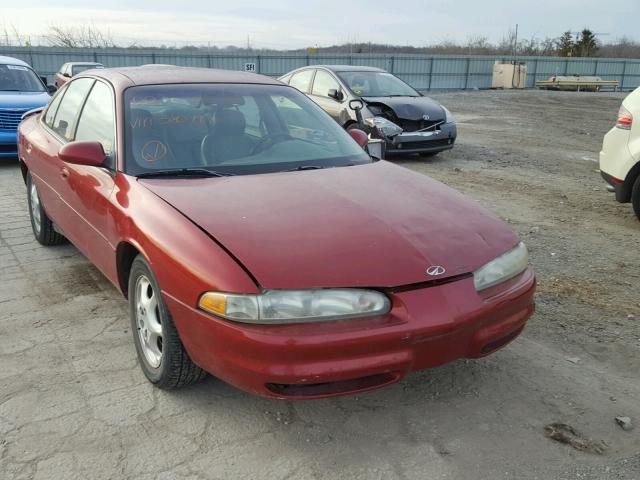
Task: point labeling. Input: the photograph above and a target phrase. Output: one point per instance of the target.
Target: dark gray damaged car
(405, 119)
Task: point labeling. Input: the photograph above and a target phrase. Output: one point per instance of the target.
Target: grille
(9, 119)
(442, 142)
(415, 125)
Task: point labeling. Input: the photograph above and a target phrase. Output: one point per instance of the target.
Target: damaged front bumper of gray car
(434, 138)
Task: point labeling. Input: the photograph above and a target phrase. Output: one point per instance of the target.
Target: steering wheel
(270, 140)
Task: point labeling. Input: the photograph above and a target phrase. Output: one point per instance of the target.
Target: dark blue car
(21, 90)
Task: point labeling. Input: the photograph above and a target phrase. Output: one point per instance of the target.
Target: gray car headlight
(503, 268)
(386, 127)
(295, 306)
(448, 118)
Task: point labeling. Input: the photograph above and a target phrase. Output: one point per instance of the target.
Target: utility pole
(515, 42)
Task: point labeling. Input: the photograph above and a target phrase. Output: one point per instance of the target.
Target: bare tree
(83, 36)
(11, 36)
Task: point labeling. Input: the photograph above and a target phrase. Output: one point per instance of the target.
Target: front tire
(635, 197)
(41, 224)
(161, 354)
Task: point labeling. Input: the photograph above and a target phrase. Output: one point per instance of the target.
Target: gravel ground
(74, 405)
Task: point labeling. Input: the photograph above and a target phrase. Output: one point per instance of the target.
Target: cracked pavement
(75, 405)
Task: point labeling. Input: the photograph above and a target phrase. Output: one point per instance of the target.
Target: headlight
(386, 127)
(295, 306)
(448, 118)
(503, 268)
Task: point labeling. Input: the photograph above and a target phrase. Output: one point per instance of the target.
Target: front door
(322, 84)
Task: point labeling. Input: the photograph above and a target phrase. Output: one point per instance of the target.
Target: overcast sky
(301, 23)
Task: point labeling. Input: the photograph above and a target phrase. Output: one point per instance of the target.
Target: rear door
(40, 154)
(59, 130)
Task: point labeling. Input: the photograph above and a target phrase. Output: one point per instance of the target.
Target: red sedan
(257, 241)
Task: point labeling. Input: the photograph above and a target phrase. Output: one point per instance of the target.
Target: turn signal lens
(625, 119)
(214, 303)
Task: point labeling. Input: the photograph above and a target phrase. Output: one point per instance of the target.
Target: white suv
(620, 155)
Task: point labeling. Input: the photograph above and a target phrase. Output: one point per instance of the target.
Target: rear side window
(97, 120)
(67, 114)
(77, 69)
(50, 113)
(302, 80)
(323, 83)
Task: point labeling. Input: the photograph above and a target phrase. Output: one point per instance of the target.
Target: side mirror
(359, 136)
(356, 104)
(335, 94)
(51, 88)
(66, 74)
(83, 153)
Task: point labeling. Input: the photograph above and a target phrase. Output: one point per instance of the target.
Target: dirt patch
(563, 433)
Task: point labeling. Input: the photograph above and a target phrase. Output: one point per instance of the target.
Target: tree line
(579, 44)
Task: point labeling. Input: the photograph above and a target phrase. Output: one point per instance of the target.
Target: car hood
(410, 108)
(23, 100)
(373, 225)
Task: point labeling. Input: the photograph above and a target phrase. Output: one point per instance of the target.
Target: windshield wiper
(305, 167)
(183, 172)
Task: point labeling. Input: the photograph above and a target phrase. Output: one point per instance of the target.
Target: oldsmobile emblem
(435, 270)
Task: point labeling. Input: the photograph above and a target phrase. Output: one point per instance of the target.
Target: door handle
(64, 172)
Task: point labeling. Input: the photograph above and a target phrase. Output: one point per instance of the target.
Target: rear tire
(635, 197)
(41, 224)
(162, 357)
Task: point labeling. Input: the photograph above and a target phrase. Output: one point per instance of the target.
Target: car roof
(349, 68)
(12, 61)
(166, 74)
(83, 63)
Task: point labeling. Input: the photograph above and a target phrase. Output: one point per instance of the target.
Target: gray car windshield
(18, 78)
(376, 84)
(231, 129)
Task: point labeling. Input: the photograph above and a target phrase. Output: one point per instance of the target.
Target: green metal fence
(421, 71)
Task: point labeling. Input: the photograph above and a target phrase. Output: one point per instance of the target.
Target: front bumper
(424, 142)
(8, 144)
(426, 327)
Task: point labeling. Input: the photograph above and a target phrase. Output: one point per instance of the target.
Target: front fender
(184, 259)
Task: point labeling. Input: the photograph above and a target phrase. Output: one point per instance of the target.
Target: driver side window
(322, 83)
(97, 120)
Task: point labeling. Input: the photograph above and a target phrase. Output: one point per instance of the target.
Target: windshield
(376, 84)
(76, 69)
(231, 129)
(17, 78)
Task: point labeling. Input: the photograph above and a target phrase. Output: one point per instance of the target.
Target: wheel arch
(126, 252)
(23, 169)
(629, 181)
